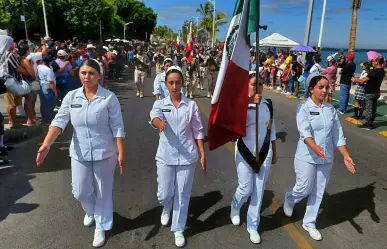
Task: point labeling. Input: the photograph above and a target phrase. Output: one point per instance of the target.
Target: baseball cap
(167, 60)
(341, 51)
(351, 56)
(62, 53)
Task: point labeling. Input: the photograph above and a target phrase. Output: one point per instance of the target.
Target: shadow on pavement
(16, 187)
(221, 217)
(282, 136)
(337, 208)
(198, 205)
(346, 206)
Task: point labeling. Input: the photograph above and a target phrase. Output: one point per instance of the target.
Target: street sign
(22, 18)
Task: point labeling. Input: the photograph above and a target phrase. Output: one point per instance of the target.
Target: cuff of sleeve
(58, 124)
(305, 136)
(199, 135)
(150, 122)
(341, 142)
(119, 133)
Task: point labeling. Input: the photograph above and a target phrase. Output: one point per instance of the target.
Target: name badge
(314, 113)
(165, 110)
(76, 106)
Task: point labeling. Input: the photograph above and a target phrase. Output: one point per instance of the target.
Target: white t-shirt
(35, 58)
(45, 74)
(316, 69)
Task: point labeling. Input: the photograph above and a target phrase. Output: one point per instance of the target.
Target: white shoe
(191, 96)
(99, 237)
(87, 221)
(208, 95)
(234, 216)
(179, 239)
(186, 94)
(254, 236)
(288, 93)
(138, 94)
(288, 210)
(165, 217)
(279, 88)
(141, 95)
(270, 88)
(313, 232)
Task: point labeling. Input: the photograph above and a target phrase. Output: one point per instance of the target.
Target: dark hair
(23, 47)
(174, 71)
(92, 63)
(317, 58)
(47, 59)
(379, 60)
(252, 76)
(367, 65)
(316, 79)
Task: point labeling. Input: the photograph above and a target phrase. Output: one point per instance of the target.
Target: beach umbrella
(372, 55)
(302, 49)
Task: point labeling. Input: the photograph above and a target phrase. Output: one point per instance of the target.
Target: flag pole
(256, 87)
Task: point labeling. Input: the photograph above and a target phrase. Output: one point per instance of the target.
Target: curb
(20, 135)
(352, 121)
(383, 133)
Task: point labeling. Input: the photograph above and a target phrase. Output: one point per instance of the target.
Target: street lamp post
(322, 23)
(197, 24)
(308, 23)
(126, 24)
(25, 19)
(45, 17)
(213, 22)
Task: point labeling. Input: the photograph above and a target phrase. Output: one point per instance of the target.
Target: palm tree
(206, 11)
(355, 5)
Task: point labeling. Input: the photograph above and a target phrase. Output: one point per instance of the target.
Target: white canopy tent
(278, 41)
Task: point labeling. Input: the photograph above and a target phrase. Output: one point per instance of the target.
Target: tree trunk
(352, 35)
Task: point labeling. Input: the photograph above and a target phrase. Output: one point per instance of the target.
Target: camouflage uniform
(213, 64)
(191, 77)
(158, 59)
(203, 70)
(141, 63)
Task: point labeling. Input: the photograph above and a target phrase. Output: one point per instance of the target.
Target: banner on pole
(22, 18)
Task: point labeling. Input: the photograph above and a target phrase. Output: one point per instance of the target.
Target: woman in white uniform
(320, 133)
(160, 89)
(252, 177)
(181, 136)
(97, 144)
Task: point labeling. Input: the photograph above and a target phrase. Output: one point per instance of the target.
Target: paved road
(37, 209)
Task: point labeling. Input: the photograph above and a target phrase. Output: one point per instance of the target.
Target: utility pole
(213, 22)
(322, 23)
(308, 23)
(45, 17)
(24, 19)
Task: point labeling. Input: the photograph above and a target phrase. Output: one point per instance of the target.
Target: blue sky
(288, 17)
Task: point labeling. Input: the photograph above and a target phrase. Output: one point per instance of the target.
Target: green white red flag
(230, 100)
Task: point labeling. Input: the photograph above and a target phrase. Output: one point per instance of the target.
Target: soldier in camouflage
(192, 76)
(213, 64)
(203, 68)
(158, 59)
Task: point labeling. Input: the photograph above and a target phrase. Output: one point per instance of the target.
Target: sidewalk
(25, 132)
(380, 123)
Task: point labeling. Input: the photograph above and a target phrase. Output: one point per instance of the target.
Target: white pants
(252, 185)
(311, 181)
(89, 177)
(174, 189)
(139, 80)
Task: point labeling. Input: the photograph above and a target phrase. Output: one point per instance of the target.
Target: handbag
(15, 87)
(35, 86)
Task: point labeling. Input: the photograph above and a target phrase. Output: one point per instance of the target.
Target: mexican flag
(230, 100)
(189, 46)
